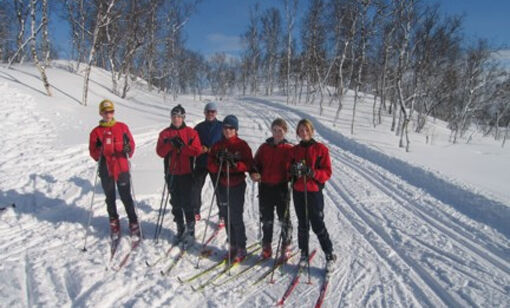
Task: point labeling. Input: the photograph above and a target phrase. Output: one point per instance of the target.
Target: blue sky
(218, 24)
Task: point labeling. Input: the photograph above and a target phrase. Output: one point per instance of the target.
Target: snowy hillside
(428, 228)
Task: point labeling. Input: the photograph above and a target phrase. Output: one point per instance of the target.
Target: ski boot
(330, 262)
(190, 230)
(267, 251)
(115, 229)
(240, 255)
(134, 229)
(285, 252)
(303, 260)
(221, 223)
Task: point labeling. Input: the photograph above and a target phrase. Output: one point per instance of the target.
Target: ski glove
(126, 149)
(98, 143)
(308, 172)
(300, 169)
(230, 158)
(177, 142)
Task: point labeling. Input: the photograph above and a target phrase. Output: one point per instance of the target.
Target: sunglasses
(211, 111)
(109, 111)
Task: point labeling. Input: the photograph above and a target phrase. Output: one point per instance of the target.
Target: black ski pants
(315, 219)
(236, 204)
(124, 187)
(199, 176)
(271, 197)
(179, 187)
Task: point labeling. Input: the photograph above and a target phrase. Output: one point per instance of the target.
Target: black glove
(177, 142)
(299, 169)
(98, 143)
(126, 148)
(228, 157)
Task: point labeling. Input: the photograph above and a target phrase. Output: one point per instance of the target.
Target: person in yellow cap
(111, 143)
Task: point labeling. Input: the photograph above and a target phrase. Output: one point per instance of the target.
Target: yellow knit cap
(106, 105)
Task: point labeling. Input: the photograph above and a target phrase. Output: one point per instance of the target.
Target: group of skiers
(214, 148)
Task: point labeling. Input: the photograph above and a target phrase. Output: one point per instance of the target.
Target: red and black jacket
(244, 163)
(271, 161)
(316, 156)
(180, 162)
(109, 142)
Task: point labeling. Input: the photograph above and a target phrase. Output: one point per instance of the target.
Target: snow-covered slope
(409, 228)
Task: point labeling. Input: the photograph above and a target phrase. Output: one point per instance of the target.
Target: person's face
(210, 115)
(228, 132)
(107, 115)
(177, 120)
(278, 133)
(304, 133)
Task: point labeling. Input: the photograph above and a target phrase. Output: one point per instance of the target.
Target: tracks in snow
(425, 244)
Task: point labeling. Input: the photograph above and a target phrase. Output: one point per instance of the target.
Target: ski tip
(147, 263)
(162, 273)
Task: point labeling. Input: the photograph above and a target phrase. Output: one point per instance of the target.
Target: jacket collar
(178, 128)
(308, 143)
(270, 141)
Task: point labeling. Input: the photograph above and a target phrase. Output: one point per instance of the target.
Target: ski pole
(283, 225)
(134, 199)
(126, 141)
(228, 219)
(210, 209)
(91, 203)
(170, 183)
(307, 228)
(164, 198)
(259, 235)
(163, 195)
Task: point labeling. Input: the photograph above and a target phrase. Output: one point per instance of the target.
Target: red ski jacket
(108, 142)
(316, 156)
(271, 161)
(180, 160)
(244, 161)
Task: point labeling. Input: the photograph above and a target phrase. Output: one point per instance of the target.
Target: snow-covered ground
(425, 228)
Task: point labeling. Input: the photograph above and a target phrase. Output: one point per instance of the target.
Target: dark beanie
(231, 121)
(178, 110)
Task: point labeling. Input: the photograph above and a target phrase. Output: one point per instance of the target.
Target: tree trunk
(46, 39)
(40, 67)
(92, 53)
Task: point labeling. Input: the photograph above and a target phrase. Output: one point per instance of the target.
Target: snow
(424, 228)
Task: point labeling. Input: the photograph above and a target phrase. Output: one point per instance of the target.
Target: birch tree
(290, 13)
(103, 18)
(40, 67)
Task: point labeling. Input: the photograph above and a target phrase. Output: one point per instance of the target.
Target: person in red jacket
(310, 166)
(110, 143)
(178, 144)
(235, 152)
(271, 160)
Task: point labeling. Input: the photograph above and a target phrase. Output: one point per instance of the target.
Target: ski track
(397, 244)
(412, 207)
(293, 122)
